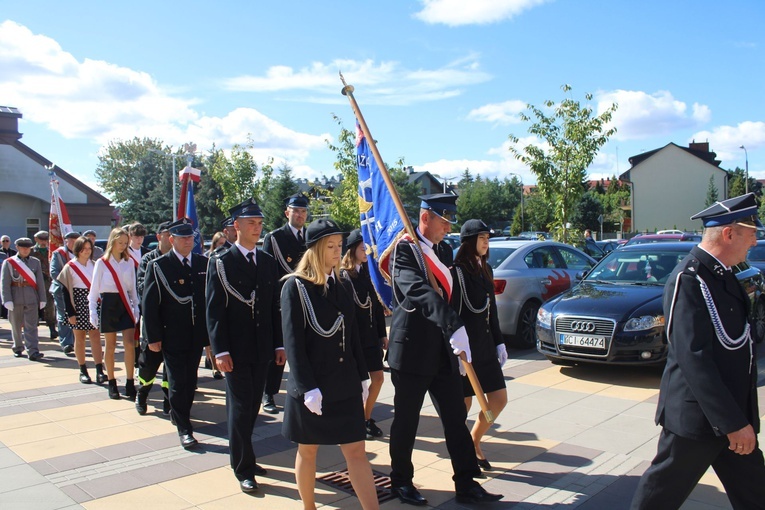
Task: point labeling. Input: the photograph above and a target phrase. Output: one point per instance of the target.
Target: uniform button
(338, 313)
(340, 344)
(341, 360)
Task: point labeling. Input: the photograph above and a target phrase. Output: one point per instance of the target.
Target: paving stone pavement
(573, 437)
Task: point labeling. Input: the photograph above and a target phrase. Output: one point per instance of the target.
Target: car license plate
(593, 342)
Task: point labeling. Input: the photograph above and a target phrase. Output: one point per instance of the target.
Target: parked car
(756, 256)
(670, 231)
(615, 315)
(526, 274)
(664, 238)
(610, 245)
(536, 235)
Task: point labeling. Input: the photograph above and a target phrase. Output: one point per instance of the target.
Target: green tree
(539, 215)
(587, 212)
(344, 204)
(712, 195)
(280, 187)
(737, 183)
(239, 176)
(207, 195)
(573, 135)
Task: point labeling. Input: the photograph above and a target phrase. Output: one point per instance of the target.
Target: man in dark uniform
(425, 335)
(173, 310)
(229, 231)
(40, 252)
(708, 398)
(149, 360)
(287, 246)
(244, 324)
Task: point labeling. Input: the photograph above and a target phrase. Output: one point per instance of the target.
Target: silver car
(526, 274)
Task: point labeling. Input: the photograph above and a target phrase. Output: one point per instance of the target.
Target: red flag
(58, 221)
(193, 173)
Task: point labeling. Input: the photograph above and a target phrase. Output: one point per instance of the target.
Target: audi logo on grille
(583, 326)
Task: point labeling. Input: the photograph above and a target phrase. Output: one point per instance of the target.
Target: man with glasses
(5, 241)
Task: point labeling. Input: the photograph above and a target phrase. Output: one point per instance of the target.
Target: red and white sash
(79, 272)
(66, 255)
(23, 270)
(121, 291)
(135, 258)
(440, 271)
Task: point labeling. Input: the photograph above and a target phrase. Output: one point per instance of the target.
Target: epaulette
(692, 267)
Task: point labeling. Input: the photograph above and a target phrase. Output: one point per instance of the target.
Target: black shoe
(130, 392)
(85, 378)
(408, 494)
(484, 464)
(68, 349)
(114, 393)
(217, 375)
(53, 333)
(18, 354)
(188, 441)
(208, 364)
(477, 494)
(269, 406)
(36, 356)
(373, 430)
(101, 378)
(140, 402)
(248, 486)
(260, 470)
(166, 407)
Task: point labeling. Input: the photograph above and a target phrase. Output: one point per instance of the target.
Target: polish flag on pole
(193, 173)
(58, 221)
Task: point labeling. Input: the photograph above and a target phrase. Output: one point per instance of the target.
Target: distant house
(669, 185)
(426, 182)
(25, 188)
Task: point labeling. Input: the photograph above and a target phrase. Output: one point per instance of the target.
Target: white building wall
(670, 187)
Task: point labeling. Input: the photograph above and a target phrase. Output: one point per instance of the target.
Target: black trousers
(182, 367)
(273, 378)
(244, 390)
(680, 463)
(445, 391)
(148, 366)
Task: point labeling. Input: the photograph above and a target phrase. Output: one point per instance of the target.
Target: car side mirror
(581, 274)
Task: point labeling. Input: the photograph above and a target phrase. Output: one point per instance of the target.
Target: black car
(615, 315)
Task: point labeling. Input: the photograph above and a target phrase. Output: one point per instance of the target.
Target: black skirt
(374, 358)
(114, 316)
(340, 422)
(489, 375)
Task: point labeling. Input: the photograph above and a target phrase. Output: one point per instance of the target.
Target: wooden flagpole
(474, 382)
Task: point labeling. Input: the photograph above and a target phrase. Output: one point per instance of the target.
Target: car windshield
(497, 255)
(757, 253)
(649, 266)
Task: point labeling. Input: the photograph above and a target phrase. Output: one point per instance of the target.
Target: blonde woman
(328, 381)
(114, 283)
(76, 277)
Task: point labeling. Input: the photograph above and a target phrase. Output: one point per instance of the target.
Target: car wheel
(758, 321)
(525, 336)
(560, 362)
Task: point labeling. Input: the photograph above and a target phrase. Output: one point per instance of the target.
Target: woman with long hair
(473, 298)
(370, 319)
(114, 284)
(328, 381)
(218, 240)
(76, 277)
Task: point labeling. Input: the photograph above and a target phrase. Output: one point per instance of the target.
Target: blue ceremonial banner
(191, 213)
(381, 225)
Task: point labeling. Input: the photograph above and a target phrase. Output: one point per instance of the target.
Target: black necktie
(300, 236)
(185, 262)
(251, 258)
(331, 287)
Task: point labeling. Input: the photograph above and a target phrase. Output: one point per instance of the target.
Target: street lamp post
(523, 222)
(746, 158)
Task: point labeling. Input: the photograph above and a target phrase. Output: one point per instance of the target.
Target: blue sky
(440, 82)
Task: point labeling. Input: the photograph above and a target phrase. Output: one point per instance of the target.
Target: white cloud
(498, 113)
(100, 101)
(727, 140)
(643, 115)
(383, 82)
(461, 12)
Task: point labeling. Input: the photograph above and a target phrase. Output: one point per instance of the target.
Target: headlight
(643, 323)
(544, 318)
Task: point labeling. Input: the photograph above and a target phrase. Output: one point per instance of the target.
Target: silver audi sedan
(526, 274)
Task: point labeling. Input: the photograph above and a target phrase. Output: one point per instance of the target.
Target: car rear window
(497, 255)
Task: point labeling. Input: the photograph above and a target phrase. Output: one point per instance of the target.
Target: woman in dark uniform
(370, 319)
(328, 380)
(473, 298)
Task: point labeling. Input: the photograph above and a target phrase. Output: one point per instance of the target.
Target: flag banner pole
(348, 91)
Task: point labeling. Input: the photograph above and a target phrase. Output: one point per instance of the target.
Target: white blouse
(103, 283)
(87, 270)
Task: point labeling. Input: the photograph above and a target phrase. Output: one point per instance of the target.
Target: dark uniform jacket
(141, 273)
(371, 320)
(248, 332)
(283, 246)
(333, 364)
(706, 390)
(423, 322)
(482, 328)
(179, 326)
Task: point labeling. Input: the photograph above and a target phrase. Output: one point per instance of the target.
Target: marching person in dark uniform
(370, 319)
(286, 245)
(473, 298)
(244, 325)
(149, 360)
(328, 380)
(425, 335)
(22, 291)
(173, 306)
(230, 233)
(708, 398)
(40, 251)
(59, 258)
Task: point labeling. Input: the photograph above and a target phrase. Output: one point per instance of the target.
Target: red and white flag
(58, 221)
(193, 173)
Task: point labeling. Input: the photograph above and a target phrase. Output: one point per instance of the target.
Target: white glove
(9, 306)
(502, 355)
(365, 389)
(460, 343)
(461, 366)
(42, 305)
(94, 321)
(312, 400)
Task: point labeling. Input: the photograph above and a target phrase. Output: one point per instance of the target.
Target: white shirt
(181, 257)
(103, 283)
(135, 254)
(245, 252)
(87, 270)
(296, 230)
